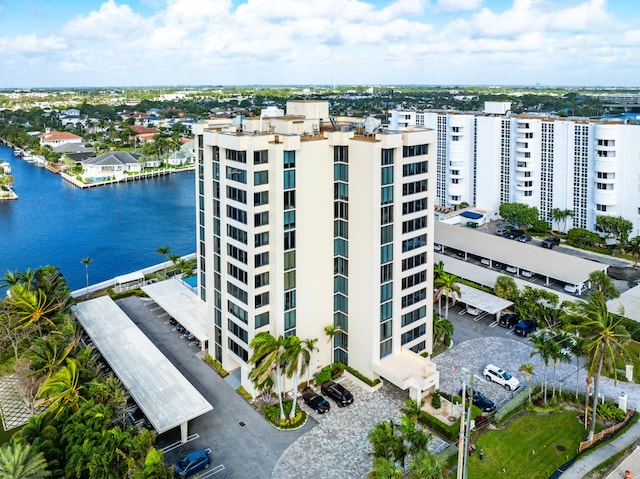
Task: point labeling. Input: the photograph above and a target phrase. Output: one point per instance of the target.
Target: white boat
(5, 167)
(18, 152)
(28, 157)
(40, 161)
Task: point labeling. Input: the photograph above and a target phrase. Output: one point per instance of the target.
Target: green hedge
(272, 413)
(243, 392)
(216, 365)
(450, 432)
(125, 294)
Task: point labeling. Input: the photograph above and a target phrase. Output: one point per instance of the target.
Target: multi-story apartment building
(305, 221)
(489, 158)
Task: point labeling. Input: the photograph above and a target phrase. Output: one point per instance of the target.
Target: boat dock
(123, 179)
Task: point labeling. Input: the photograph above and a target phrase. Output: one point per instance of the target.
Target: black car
(316, 402)
(513, 234)
(481, 401)
(525, 327)
(337, 392)
(550, 242)
(509, 320)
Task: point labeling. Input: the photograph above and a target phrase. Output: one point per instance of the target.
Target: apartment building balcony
(455, 189)
(523, 187)
(455, 174)
(605, 165)
(523, 130)
(456, 162)
(605, 197)
(523, 176)
(523, 148)
(523, 166)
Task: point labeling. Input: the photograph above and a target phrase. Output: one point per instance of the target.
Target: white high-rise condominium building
(307, 221)
(486, 159)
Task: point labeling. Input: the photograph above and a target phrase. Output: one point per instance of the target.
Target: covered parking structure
(546, 263)
(164, 395)
(179, 301)
(486, 303)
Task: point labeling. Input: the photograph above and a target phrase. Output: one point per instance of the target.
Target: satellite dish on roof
(371, 124)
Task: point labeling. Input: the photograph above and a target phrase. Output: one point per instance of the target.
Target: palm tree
(164, 251)
(296, 360)
(10, 278)
(310, 346)
(633, 247)
(601, 281)
(442, 330)
(33, 308)
(331, 332)
(506, 287)
(528, 370)
(21, 461)
(426, 465)
(558, 354)
(542, 347)
(558, 215)
(605, 336)
(268, 353)
(63, 389)
(447, 285)
(86, 262)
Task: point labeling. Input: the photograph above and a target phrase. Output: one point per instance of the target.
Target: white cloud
(453, 6)
(30, 44)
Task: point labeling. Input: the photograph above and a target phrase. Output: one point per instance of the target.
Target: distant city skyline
(65, 43)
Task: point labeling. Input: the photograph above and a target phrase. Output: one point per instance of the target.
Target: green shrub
(243, 392)
(125, 294)
(215, 365)
(361, 377)
(272, 413)
(323, 377)
(609, 410)
(450, 432)
(436, 402)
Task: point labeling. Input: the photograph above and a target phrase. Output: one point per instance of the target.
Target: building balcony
(524, 167)
(603, 165)
(455, 189)
(523, 187)
(605, 197)
(522, 176)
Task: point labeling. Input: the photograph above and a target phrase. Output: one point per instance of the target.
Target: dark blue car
(192, 463)
(525, 327)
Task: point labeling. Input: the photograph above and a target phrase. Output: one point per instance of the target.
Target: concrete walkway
(589, 461)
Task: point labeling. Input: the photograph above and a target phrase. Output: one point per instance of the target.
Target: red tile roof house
(144, 133)
(55, 138)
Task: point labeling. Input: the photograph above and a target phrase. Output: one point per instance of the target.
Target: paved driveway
(338, 447)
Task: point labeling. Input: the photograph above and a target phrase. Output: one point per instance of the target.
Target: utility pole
(461, 436)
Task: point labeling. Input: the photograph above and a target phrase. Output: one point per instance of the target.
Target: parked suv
(513, 234)
(550, 242)
(509, 320)
(500, 376)
(526, 327)
(192, 463)
(337, 392)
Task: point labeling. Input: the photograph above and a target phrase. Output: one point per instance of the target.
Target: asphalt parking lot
(242, 444)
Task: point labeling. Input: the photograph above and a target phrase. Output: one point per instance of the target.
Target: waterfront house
(185, 155)
(55, 138)
(111, 165)
(144, 133)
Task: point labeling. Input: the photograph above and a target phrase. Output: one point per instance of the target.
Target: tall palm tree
(86, 262)
(332, 331)
(296, 361)
(164, 251)
(33, 308)
(22, 461)
(633, 247)
(543, 348)
(447, 285)
(605, 337)
(558, 354)
(268, 353)
(528, 370)
(310, 346)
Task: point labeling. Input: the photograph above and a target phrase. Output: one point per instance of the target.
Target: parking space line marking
(177, 444)
(215, 470)
(494, 324)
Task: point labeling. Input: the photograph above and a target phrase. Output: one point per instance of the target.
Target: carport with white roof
(525, 257)
(489, 303)
(164, 395)
(179, 301)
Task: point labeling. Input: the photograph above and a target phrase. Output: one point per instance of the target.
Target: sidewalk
(590, 460)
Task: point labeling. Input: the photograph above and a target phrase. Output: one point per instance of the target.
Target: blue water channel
(119, 226)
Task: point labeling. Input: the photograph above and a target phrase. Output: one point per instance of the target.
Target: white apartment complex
(486, 159)
(306, 221)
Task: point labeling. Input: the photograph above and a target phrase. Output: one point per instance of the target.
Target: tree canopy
(518, 214)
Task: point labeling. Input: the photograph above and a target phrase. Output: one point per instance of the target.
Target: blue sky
(60, 43)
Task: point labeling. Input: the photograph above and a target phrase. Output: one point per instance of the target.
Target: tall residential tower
(306, 221)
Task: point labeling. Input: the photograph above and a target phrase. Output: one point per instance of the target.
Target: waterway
(119, 226)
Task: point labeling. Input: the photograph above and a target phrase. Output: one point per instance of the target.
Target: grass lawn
(633, 348)
(511, 449)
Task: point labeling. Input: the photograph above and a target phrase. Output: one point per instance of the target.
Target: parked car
(513, 234)
(509, 320)
(511, 269)
(526, 274)
(550, 242)
(503, 230)
(481, 401)
(337, 392)
(493, 373)
(524, 239)
(525, 327)
(571, 288)
(193, 462)
(316, 402)
(485, 261)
